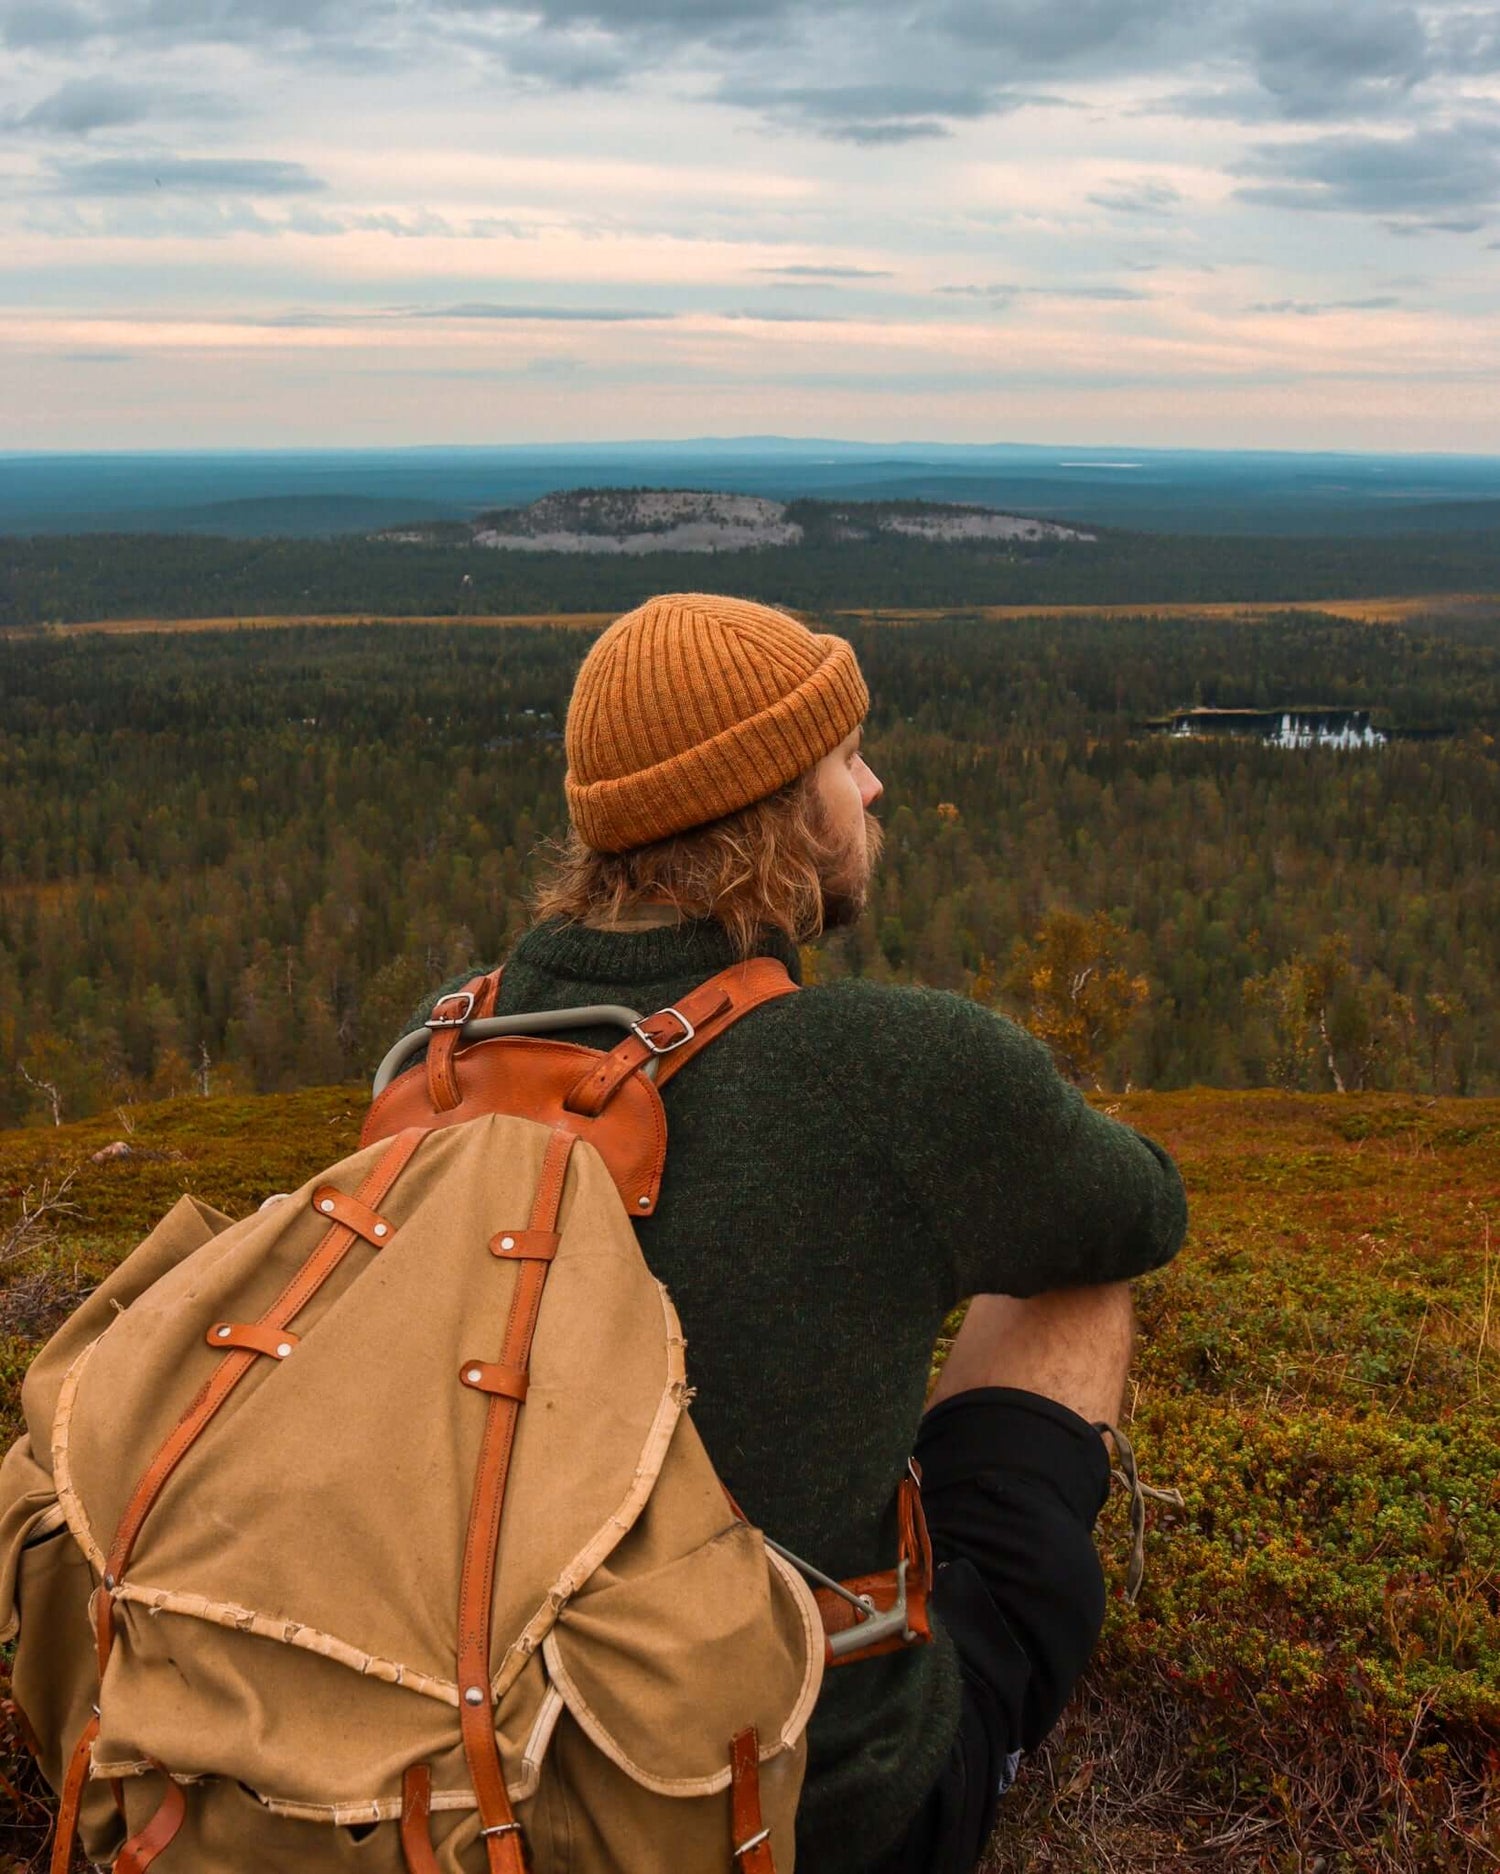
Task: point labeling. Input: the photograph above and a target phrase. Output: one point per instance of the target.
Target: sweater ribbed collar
(665, 953)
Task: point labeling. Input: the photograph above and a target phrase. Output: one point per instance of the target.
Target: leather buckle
(638, 1029)
(435, 1020)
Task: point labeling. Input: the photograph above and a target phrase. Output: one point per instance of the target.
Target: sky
(1216, 223)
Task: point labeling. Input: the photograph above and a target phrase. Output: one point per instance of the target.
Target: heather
(1311, 1674)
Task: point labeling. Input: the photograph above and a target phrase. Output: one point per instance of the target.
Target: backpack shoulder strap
(445, 1024)
(674, 1035)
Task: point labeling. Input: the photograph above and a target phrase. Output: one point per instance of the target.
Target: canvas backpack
(371, 1532)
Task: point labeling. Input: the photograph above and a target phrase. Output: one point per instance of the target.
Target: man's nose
(870, 787)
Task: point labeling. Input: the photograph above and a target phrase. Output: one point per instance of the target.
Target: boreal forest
(69, 578)
(236, 860)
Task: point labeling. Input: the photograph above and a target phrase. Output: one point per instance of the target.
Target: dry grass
(1392, 611)
(130, 627)
(1366, 611)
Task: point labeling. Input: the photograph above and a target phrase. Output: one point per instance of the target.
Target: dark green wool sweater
(843, 1167)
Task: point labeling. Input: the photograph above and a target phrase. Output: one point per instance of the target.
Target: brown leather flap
(531, 1078)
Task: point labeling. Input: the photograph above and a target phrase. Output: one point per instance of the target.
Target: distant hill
(1180, 491)
(817, 556)
(676, 520)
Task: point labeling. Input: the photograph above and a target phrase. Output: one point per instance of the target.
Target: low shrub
(1310, 1678)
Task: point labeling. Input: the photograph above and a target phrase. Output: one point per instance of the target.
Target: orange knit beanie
(693, 706)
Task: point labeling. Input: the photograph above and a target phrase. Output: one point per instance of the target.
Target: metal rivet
(507, 1242)
(473, 1695)
(381, 1228)
(223, 1332)
(644, 1202)
(473, 1376)
(283, 1350)
(327, 1204)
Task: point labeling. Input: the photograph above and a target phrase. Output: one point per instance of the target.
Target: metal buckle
(434, 1020)
(870, 1627)
(502, 1828)
(638, 1029)
(754, 1842)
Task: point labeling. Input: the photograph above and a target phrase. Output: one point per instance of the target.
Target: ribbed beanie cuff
(694, 706)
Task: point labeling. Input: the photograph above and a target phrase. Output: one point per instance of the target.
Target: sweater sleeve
(1023, 1183)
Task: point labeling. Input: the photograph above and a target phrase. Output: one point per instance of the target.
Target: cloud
(1436, 224)
(41, 26)
(566, 61)
(1143, 195)
(484, 309)
(763, 316)
(84, 105)
(1313, 308)
(1321, 61)
(194, 175)
(791, 273)
(1002, 292)
(875, 113)
(1424, 173)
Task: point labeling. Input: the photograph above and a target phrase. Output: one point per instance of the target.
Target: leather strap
(525, 1245)
(677, 1034)
(72, 1798)
(752, 1839)
(293, 1298)
(509, 1382)
(329, 1201)
(442, 1080)
(916, 1544)
(250, 1336)
(884, 1588)
(158, 1834)
(498, 1826)
(416, 1805)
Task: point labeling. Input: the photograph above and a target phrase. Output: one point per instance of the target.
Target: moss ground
(1310, 1679)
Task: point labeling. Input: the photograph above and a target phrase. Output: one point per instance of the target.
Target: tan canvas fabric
(287, 1621)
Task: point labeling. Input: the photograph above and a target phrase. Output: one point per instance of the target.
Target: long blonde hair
(762, 866)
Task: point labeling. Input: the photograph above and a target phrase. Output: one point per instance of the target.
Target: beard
(844, 876)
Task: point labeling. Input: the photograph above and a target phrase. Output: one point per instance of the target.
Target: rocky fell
(677, 520)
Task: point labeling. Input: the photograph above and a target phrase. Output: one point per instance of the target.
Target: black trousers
(1011, 1484)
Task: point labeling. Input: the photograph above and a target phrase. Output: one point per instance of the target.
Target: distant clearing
(125, 627)
(1391, 611)
(1362, 611)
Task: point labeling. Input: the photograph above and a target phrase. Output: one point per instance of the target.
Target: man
(846, 1165)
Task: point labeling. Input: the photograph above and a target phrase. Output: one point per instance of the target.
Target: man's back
(843, 1167)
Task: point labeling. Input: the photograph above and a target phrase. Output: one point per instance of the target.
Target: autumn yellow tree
(1074, 992)
(1325, 1015)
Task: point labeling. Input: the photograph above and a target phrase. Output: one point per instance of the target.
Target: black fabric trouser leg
(1011, 1484)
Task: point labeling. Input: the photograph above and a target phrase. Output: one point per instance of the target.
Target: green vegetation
(236, 860)
(97, 576)
(1313, 1666)
(240, 858)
